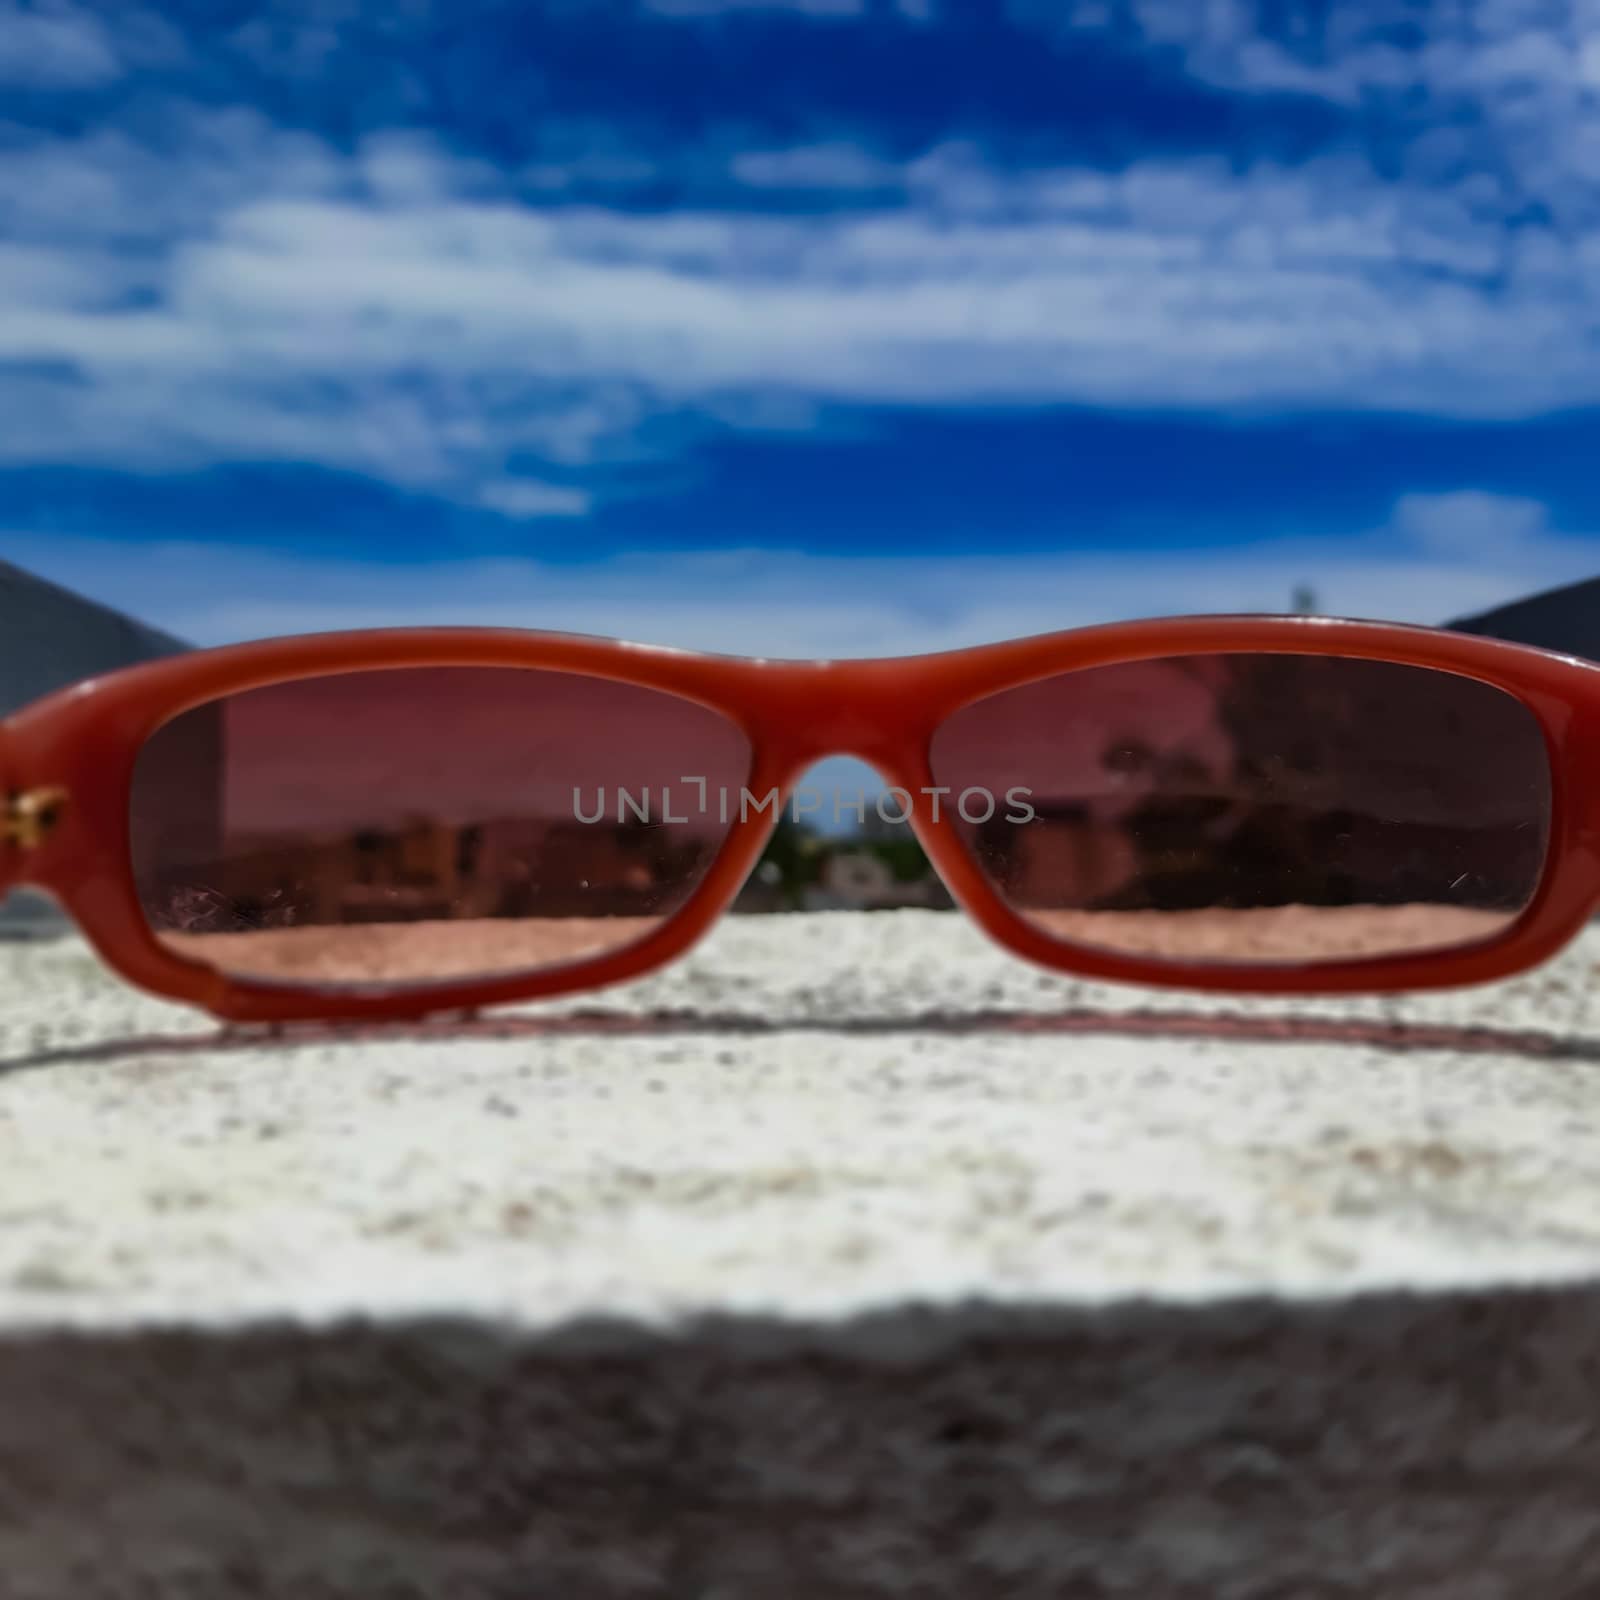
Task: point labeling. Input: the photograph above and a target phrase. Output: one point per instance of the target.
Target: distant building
(1566, 619)
(854, 878)
(50, 637)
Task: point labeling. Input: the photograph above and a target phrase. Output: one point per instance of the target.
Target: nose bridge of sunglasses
(842, 709)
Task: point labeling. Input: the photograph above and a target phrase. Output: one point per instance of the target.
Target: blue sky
(802, 326)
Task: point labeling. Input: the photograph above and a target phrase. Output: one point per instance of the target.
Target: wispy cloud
(1474, 527)
(54, 46)
(712, 8)
(1439, 556)
(61, 45)
(510, 313)
(1507, 87)
(412, 315)
(529, 498)
(835, 165)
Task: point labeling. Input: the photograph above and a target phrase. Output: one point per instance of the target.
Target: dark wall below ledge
(1409, 1447)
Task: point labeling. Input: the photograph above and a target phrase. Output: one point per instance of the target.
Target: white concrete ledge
(882, 1265)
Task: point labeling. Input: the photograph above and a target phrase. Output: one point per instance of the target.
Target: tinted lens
(1255, 808)
(396, 828)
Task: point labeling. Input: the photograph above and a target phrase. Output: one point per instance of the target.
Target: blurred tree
(903, 857)
(794, 853)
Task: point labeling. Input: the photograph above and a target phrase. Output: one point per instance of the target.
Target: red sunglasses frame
(67, 765)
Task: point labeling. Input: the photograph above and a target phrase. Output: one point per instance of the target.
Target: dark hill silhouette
(1565, 619)
(51, 637)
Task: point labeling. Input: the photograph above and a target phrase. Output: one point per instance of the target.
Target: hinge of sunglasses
(29, 818)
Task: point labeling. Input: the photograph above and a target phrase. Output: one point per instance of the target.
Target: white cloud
(55, 47)
(233, 291)
(711, 8)
(527, 498)
(1519, 75)
(787, 603)
(62, 46)
(1473, 525)
(818, 166)
(405, 168)
(1589, 62)
(402, 313)
(106, 189)
(291, 49)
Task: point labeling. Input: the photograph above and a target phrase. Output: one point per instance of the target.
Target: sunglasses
(394, 823)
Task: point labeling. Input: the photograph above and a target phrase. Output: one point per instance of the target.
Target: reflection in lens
(1258, 808)
(412, 826)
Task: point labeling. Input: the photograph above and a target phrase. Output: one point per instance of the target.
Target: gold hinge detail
(28, 819)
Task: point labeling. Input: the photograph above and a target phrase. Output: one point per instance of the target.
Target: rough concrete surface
(848, 1258)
